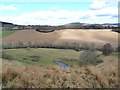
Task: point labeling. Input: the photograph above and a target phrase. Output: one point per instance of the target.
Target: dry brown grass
(57, 77)
(70, 35)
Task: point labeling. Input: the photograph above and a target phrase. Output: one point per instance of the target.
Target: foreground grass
(5, 33)
(57, 77)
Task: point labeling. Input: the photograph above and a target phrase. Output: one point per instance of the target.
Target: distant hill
(74, 25)
(111, 24)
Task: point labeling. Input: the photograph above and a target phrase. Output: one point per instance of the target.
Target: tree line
(46, 27)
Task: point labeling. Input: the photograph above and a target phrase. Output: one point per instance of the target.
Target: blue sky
(35, 6)
(58, 13)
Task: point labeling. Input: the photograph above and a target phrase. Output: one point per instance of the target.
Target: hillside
(57, 77)
(69, 35)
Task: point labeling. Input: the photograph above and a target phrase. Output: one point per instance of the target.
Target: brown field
(60, 36)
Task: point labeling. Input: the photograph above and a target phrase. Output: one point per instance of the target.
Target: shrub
(6, 56)
(118, 49)
(36, 45)
(89, 57)
(34, 58)
(20, 44)
(44, 31)
(7, 46)
(107, 49)
(30, 44)
(86, 46)
(116, 29)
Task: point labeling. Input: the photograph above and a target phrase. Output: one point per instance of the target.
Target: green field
(45, 56)
(5, 33)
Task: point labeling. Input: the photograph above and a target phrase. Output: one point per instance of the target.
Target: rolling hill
(61, 36)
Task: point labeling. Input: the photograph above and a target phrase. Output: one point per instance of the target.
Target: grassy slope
(47, 56)
(5, 33)
(103, 75)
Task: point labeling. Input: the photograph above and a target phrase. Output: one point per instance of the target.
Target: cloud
(104, 15)
(97, 4)
(55, 8)
(111, 1)
(115, 16)
(60, 17)
(101, 11)
(45, 17)
(107, 11)
(57, 16)
(8, 7)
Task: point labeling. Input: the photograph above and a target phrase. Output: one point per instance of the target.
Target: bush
(6, 56)
(34, 58)
(107, 49)
(116, 29)
(90, 46)
(7, 46)
(44, 31)
(89, 57)
(29, 44)
(20, 44)
(118, 49)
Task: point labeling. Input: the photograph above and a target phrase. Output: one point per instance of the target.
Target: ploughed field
(58, 37)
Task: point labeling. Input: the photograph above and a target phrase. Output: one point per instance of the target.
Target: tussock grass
(57, 77)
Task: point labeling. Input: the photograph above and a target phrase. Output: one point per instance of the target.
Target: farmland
(98, 37)
(38, 64)
(59, 45)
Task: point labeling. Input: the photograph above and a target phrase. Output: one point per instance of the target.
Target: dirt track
(68, 35)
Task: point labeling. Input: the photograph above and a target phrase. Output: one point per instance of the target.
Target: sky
(58, 12)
